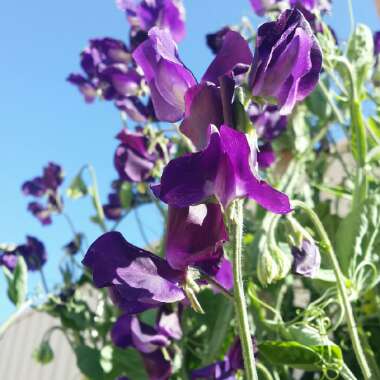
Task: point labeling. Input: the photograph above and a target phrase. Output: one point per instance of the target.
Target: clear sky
(44, 118)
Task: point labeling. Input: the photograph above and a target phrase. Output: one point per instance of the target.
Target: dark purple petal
(268, 122)
(194, 235)
(157, 367)
(234, 53)
(306, 259)
(42, 213)
(287, 60)
(128, 331)
(112, 209)
(260, 7)
(215, 40)
(33, 252)
(87, 89)
(138, 280)
(167, 77)
(35, 187)
(220, 370)
(224, 169)
(52, 176)
(73, 247)
(265, 156)
(376, 40)
(136, 109)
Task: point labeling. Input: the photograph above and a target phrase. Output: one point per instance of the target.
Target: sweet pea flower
(287, 61)
(376, 40)
(41, 212)
(225, 169)
(261, 7)
(227, 368)
(167, 77)
(195, 234)
(113, 209)
(33, 252)
(133, 159)
(8, 259)
(137, 279)
(164, 14)
(306, 259)
(265, 156)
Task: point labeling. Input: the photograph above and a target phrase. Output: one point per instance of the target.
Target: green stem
(240, 303)
(352, 328)
(330, 100)
(96, 199)
(264, 371)
(44, 282)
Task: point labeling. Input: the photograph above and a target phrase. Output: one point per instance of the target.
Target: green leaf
(88, 361)
(296, 355)
(77, 188)
(307, 335)
(44, 353)
(17, 282)
(338, 191)
(374, 126)
(129, 362)
(126, 195)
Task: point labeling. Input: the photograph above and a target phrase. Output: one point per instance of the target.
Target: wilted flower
(137, 279)
(33, 252)
(225, 369)
(73, 247)
(287, 61)
(306, 259)
(134, 159)
(165, 14)
(167, 77)
(195, 234)
(225, 169)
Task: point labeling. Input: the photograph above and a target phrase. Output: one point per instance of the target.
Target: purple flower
(138, 280)
(225, 369)
(195, 234)
(265, 156)
(376, 40)
(234, 56)
(157, 366)
(268, 122)
(33, 252)
(86, 88)
(165, 14)
(225, 169)
(206, 104)
(42, 213)
(9, 259)
(260, 7)
(73, 247)
(167, 77)
(215, 40)
(168, 323)
(306, 259)
(224, 276)
(287, 61)
(133, 160)
(113, 209)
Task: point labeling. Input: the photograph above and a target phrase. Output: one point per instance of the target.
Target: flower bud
(306, 259)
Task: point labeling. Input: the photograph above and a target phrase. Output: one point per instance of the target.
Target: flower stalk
(240, 303)
(350, 319)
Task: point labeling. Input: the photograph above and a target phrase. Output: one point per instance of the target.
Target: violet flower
(34, 253)
(133, 160)
(113, 209)
(8, 259)
(225, 169)
(167, 77)
(74, 246)
(287, 60)
(227, 368)
(41, 212)
(137, 279)
(265, 156)
(195, 234)
(165, 14)
(306, 259)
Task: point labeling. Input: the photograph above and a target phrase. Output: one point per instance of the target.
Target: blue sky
(44, 118)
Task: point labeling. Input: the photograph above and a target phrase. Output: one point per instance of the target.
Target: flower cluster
(45, 186)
